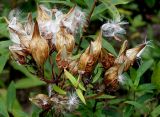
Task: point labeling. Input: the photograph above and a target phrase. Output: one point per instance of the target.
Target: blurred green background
(17, 84)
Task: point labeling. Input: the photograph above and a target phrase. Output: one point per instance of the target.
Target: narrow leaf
(80, 95)
(59, 90)
(156, 111)
(11, 96)
(3, 60)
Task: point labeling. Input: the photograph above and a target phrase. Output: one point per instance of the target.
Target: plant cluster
(54, 31)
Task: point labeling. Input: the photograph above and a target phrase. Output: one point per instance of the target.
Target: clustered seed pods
(54, 31)
(59, 102)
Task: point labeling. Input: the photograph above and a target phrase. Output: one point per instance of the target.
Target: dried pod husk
(23, 37)
(39, 47)
(43, 14)
(42, 101)
(62, 58)
(131, 55)
(111, 79)
(122, 53)
(29, 25)
(18, 53)
(90, 56)
(73, 67)
(63, 38)
(106, 58)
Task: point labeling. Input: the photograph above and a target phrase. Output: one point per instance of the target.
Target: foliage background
(140, 94)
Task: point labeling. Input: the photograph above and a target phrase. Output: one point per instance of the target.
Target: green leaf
(112, 9)
(80, 95)
(156, 111)
(19, 113)
(3, 60)
(98, 11)
(116, 2)
(73, 80)
(141, 70)
(3, 108)
(134, 103)
(67, 3)
(59, 90)
(23, 69)
(109, 47)
(146, 87)
(11, 96)
(5, 44)
(97, 76)
(104, 96)
(70, 77)
(28, 83)
(155, 79)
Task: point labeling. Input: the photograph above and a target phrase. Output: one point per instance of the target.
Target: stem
(94, 96)
(95, 105)
(51, 62)
(85, 27)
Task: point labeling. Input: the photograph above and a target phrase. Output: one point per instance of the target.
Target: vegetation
(79, 58)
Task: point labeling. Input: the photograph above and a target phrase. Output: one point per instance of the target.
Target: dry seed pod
(29, 26)
(73, 67)
(42, 101)
(43, 14)
(107, 59)
(18, 53)
(90, 56)
(62, 58)
(111, 79)
(122, 53)
(23, 37)
(132, 54)
(63, 38)
(39, 47)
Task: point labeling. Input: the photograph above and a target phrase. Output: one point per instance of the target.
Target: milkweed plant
(80, 77)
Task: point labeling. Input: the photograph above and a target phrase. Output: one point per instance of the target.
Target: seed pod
(29, 25)
(18, 53)
(63, 38)
(90, 56)
(23, 37)
(131, 55)
(44, 14)
(62, 58)
(122, 53)
(42, 101)
(39, 47)
(111, 79)
(73, 67)
(107, 59)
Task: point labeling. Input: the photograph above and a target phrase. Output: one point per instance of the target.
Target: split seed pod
(63, 38)
(90, 56)
(39, 47)
(111, 77)
(106, 58)
(62, 58)
(42, 101)
(132, 54)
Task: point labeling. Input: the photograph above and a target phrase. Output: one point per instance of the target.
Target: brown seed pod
(43, 14)
(90, 56)
(39, 47)
(132, 54)
(42, 101)
(111, 79)
(63, 38)
(106, 58)
(62, 58)
(73, 67)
